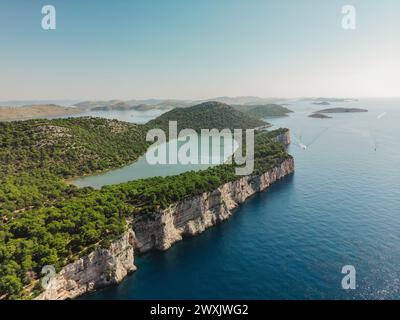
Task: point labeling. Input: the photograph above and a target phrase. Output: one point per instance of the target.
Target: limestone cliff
(101, 268)
(161, 229)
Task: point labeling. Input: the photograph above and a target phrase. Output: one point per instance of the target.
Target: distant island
(20, 110)
(165, 104)
(342, 110)
(264, 111)
(107, 105)
(330, 100)
(256, 108)
(36, 111)
(322, 103)
(322, 114)
(319, 116)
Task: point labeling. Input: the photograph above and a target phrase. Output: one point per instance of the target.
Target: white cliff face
(195, 215)
(103, 267)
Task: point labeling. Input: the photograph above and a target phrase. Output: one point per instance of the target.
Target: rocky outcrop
(284, 138)
(101, 268)
(160, 230)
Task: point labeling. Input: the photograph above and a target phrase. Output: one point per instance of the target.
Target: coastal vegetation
(45, 221)
(264, 111)
(208, 115)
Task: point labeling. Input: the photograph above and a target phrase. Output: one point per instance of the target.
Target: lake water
(219, 150)
(341, 207)
(133, 116)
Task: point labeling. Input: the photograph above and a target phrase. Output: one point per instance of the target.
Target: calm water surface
(219, 150)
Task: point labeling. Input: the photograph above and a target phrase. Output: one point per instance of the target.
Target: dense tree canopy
(68, 147)
(208, 115)
(264, 111)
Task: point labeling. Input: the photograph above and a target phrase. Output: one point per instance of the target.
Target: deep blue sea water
(341, 207)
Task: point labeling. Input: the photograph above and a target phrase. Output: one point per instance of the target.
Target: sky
(198, 49)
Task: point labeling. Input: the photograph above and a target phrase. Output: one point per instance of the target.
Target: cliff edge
(101, 268)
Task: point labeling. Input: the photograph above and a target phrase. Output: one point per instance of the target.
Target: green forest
(208, 115)
(46, 221)
(264, 111)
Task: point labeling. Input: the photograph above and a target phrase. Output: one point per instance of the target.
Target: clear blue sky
(196, 49)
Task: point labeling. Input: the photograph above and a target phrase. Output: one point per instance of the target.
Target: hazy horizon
(72, 100)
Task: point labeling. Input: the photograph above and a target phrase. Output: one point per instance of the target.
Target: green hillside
(36, 155)
(264, 111)
(68, 147)
(208, 115)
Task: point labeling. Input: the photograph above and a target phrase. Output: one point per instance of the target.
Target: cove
(141, 169)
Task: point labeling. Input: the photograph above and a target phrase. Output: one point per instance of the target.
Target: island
(243, 104)
(211, 114)
(92, 236)
(330, 100)
(264, 111)
(319, 116)
(138, 105)
(342, 110)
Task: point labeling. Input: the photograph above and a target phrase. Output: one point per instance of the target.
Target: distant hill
(36, 111)
(104, 105)
(329, 100)
(207, 115)
(322, 103)
(319, 116)
(20, 103)
(245, 100)
(149, 104)
(264, 111)
(139, 105)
